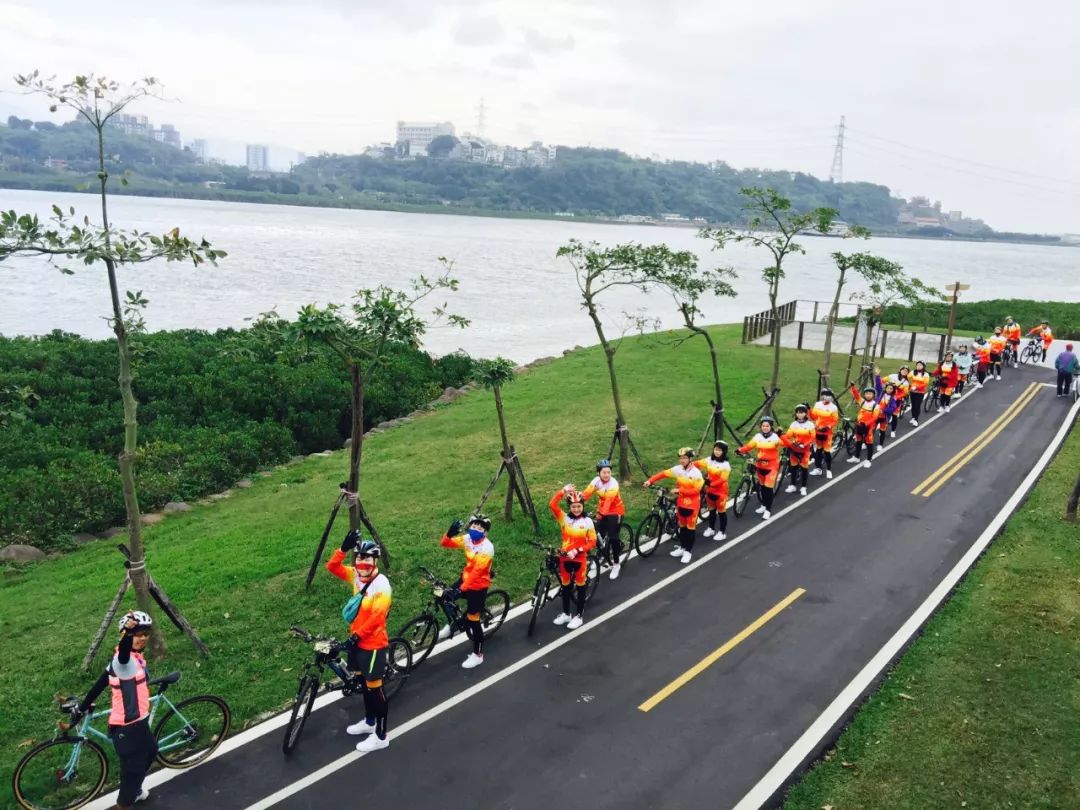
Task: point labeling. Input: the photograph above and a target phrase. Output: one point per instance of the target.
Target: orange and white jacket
(370, 622)
(768, 449)
(801, 433)
(1013, 332)
(920, 383)
(476, 575)
(608, 499)
(997, 343)
(688, 484)
(578, 534)
(716, 474)
(869, 413)
(825, 415)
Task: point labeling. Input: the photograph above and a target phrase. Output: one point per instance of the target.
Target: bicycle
(421, 632)
(603, 547)
(658, 525)
(1008, 357)
(932, 401)
(748, 485)
(549, 568)
(844, 438)
(1032, 350)
(328, 656)
(71, 769)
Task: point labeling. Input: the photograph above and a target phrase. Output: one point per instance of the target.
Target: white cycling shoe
(790, 488)
(720, 537)
(866, 463)
(802, 490)
(615, 569)
(561, 619)
(677, 551)
(686, 555)
(759, 510)
(853, 460)
(828, 474)
(708, 533)
(363, 727)
(142, 797)
(766, 515)
(472, 661)
(575, 623)
(815, 471)
(372, 743)
(444, 633)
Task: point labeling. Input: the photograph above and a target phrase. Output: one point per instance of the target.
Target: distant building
(380, 150)
(199, 149)
(418, 134)
(55, 163)
(132, 124)
(300, 158)
(168, 135)
(258, 157)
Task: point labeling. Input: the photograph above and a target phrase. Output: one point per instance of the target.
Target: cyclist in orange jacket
(609, 511)
(982, 360)
(801, 434)
(947, 373)
(825, 415)
(578, 539)
(866, 421)
(1012, 334)
(474, 581)
(717, 471)
(1045, 334)
(766, 444)
(998, 342)
(688, 484)
(367, 655)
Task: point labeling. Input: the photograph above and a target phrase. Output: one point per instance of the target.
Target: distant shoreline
(310, 201)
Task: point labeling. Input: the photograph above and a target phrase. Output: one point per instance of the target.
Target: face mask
(476, 534)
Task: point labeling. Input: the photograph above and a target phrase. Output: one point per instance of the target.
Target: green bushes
(209, 414)
(983, 316)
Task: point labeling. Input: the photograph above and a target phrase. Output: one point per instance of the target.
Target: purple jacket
(1066, 363)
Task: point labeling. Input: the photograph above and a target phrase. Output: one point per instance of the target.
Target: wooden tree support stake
(343, 498)
(517, 486)
(620, 429)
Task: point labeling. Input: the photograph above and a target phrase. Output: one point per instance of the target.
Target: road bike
(604, 550)
(549, 570)
(1032, 351)
(71, 769)
(328, 656)
(747, 487)
(1009, 358)
(844, 438)
(657, 526)
(421, 632)
(932, 401)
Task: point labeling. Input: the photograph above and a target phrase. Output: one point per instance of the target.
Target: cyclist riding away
(866, 421)
(609, 511)
(801, 435)
(688, 483)
(947, 373)
(920, 384)
(366, 613)
(825, 416)
(997, 351)
(578, 539)
(717, 471)
(474, 581)
(766, 443)
(129, 718)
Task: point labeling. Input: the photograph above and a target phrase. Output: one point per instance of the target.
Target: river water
(522, 301)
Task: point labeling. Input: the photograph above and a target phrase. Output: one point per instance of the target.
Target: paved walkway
(773, 627)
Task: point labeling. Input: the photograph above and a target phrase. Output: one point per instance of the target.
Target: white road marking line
(812, 737)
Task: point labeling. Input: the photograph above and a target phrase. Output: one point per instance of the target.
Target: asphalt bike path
(687, 683)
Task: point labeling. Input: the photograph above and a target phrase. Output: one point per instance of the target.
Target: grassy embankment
(982, 711)
(237, 567)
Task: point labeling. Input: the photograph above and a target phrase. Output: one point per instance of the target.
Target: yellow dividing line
(940, 476)
(720, 652)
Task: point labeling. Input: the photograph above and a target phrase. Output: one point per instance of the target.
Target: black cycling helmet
(980, 339)
(604, 462)
(827, 392)
(802, 406)
(870, 390)
(722, 445)
(369, 548)
(769, 419)
(483, 520)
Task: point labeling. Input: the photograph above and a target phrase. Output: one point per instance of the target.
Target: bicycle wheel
(60, 774)
(540, 590)
(626, 540)
(305, 698)
(191, 730)
(592, 578)
(782, 474)
(742, 496)
(496, 605)
(647, 537)
(398, 666)
(421, 634)
(1027, 354)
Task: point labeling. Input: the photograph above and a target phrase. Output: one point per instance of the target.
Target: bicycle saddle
(165, 680)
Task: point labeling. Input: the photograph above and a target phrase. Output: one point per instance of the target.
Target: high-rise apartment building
(258, 157)
(199, 149)
(418, 134)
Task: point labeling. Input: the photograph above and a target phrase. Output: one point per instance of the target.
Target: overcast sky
(976, 104)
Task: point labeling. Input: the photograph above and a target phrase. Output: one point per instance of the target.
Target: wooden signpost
(955, 290)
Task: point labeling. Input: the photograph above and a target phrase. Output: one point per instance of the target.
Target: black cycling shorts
(474, 600)
(995, 357)
(371, 664)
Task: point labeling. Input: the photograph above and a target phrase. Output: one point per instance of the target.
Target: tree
(97, 99)
(1073, 502)
(441, 146)
(862, 263)
(493, 375)
(378, 319)
(600, 269)
(887, 284)
(772, 225)
(14, 122)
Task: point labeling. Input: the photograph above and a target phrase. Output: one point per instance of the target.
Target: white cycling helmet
(144, 622)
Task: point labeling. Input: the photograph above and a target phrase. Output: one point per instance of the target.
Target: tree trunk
(609, 357)
(508, 507)
(830, 326)
(356, 377)
(1074, 502)
(774, 292)
(697, 330)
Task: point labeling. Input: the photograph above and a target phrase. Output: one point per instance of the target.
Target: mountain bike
(71, 769)
(605, 552)
(549, 569)
(1031, 351)
(421, 632)
(748, 486)
(657, 526)
(328, 656)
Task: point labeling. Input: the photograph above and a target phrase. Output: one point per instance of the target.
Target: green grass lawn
(983, 711)
(237, 567)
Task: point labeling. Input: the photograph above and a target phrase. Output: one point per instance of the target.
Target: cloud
(513, 61)
(541, 43)
(473, 30)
